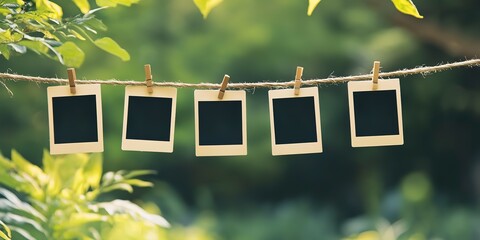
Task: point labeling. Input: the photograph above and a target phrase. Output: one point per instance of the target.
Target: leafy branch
(39, 26)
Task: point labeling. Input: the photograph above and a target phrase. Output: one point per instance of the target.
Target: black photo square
(75, 119)
(149, 118)
(376, 113)
(294, 120)
(220, 122)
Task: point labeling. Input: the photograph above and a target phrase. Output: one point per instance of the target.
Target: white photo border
(296, 148)
(373, 141)
(149, 145)
(221, 150)
(82, 147)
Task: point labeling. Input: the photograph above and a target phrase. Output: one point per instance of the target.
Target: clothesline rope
(247, 85)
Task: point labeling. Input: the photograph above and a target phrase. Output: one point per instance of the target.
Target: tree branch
(451, 41)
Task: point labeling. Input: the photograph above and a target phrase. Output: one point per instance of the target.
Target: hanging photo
(220, 124)
(149, 119)
(375, 113)
(75, 120)
(295, 121)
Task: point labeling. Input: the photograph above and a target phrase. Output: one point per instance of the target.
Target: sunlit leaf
(76, 34)
(25, 166)
(4, 236)
(138, 183)
(8, 234)
(78, 219)
(54, 10)
(5, 51)
(407, 7)
(312, 4)
(119, 186)
(205, 6)
(5, 163)
(7, 36)
(109, 45)
(89, 13)
(83, 5)
(72, 55)
(93, 170)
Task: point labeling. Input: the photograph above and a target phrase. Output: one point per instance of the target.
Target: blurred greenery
(62, 200)
(428, 188)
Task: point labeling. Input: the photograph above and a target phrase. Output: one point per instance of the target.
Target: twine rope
(425, 70)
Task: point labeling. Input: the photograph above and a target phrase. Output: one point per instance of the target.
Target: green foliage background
(428, 188)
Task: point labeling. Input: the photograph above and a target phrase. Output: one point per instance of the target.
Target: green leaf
(5, 163)
(5, 51)
(79, 219)
(93, 170)
(12, 203)
(407, 7)
(4, 236)
(25, 234)
(25, 166)
(76, 34)
(18, 220)
(205, 6)
(66, 173)
(109, 45)
(72, 55)
(83, 5)
(312, 4)
(8, 234)
(137, 173)
(118, 186)
(35, 46)
(138, 183)
(53, 9)
(96, 24)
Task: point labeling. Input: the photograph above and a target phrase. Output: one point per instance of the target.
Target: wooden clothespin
(298, 80)
(225, 80)
(148, 78)
(72, 76)
(376, 71)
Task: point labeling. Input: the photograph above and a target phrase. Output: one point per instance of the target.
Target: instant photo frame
(75, 119)
(149, 119)
(220, 124)
(375, 113)
(295, 121)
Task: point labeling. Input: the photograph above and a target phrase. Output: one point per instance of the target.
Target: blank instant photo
(149, 119)
(75, 120)
(220, 124)
(375, 115)
(295, 121)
